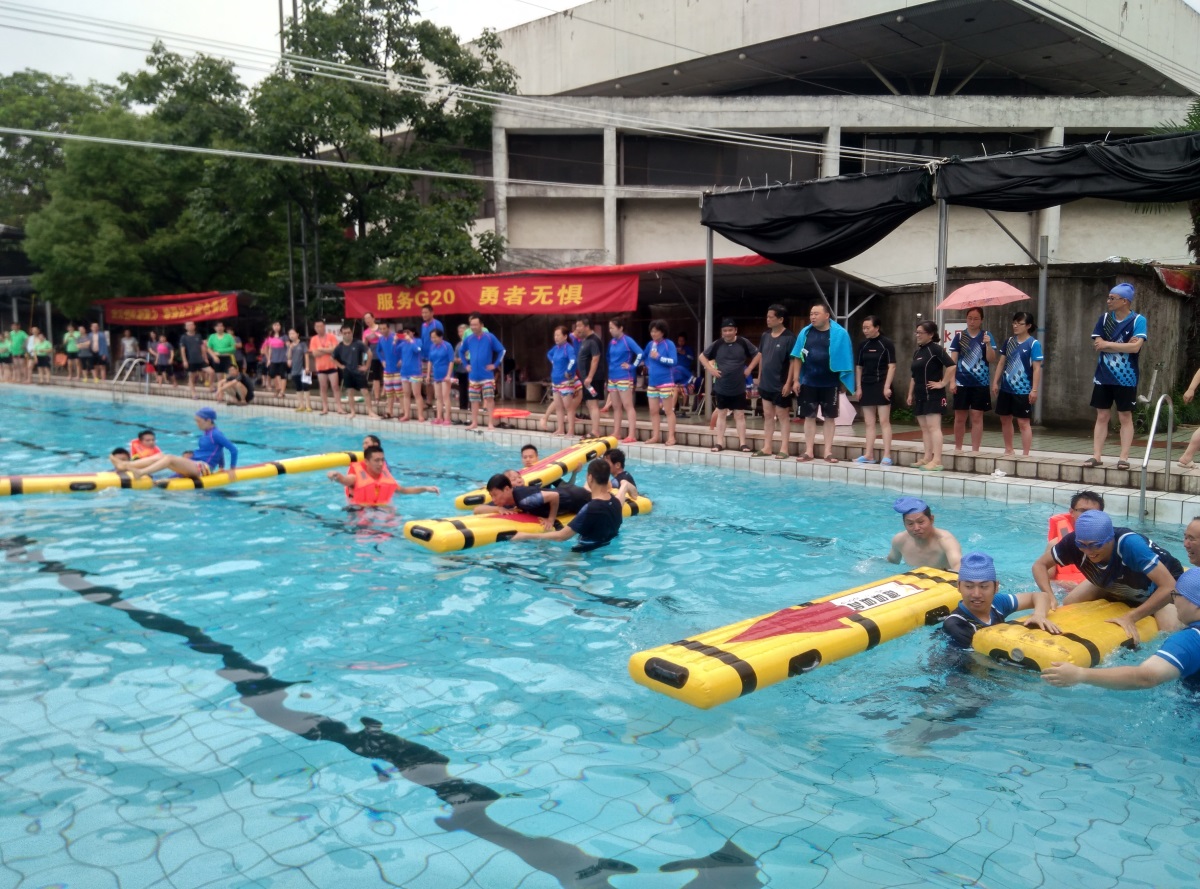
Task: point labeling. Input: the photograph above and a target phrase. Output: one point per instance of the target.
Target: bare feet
(652, 441)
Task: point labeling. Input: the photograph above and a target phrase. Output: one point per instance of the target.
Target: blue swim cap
(1125, 291)
(1188, 585)
(977, 567)
(905, 505)
(1094, 526)
(207, 413)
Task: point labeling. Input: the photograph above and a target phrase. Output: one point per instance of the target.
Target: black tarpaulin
(1146, 168)
(822, 222)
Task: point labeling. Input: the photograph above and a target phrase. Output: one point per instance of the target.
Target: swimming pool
(252, 687)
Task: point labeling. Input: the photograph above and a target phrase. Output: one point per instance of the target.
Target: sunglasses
(1090, 544)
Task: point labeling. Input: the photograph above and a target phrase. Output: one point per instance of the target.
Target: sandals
(782, 455)
(1092, 463)
(829, 458)
(746, 449)
(1122, 464)
(863, 459)
(886, 461)
(717, 448)
(763, 453)
(804, 458)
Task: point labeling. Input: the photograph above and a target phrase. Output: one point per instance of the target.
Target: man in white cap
(920, 544)
(1178, 658)
(1117, 339)
(983, 605)
(1118, 564)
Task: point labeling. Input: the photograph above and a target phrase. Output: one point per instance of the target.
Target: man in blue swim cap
(983, 605)
(1178, 658)
(920, 544)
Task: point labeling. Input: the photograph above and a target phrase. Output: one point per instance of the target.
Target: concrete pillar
(500, 171)
(831, 160)
(611, 248)
(1050, 219)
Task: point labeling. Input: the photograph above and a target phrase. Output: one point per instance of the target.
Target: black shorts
(223, 363)
(730, 402)
(277, 369)
(87, 362)
(353, 379)
(43, 361)
(299, 384)
(1104, 396)
(929, 402)
(588, 396)
(872, 395)
(1009, 404)
(823, 397)
(375, 374)
(5, 359)
(973, 398)
(776, 398)
(162, 369)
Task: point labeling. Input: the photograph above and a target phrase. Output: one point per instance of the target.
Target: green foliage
(1190, 124)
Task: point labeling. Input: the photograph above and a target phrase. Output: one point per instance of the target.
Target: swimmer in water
(370, 483)
(920, 544)
(208, 456)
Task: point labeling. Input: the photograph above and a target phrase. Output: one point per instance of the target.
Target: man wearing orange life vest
(370, 483)
(145, 445)
(1062, 524)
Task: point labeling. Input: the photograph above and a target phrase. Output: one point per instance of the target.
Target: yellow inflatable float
(547, 470)
(473, 531)
(1086, 637)
(12, 485)
(714, 667)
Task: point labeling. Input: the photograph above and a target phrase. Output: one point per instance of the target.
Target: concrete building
(933, 79)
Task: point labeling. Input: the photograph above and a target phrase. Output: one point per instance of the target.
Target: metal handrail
(123, 374)
(1150, 444)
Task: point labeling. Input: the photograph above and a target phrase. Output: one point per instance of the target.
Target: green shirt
(222, 344)
(43, 347)
(16, 343)
(71, 342)
(4, 347)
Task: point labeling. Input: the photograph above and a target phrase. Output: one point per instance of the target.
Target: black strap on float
(744, 670)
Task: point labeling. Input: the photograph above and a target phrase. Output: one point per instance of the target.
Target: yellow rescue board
(720, 665)
(473, 531)
(12, 485)
(547, 470)
(1085, 641)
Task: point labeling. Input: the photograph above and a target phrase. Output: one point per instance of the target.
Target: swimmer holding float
(209, 454)
(370, 483)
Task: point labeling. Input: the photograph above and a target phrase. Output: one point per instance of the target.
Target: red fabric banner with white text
(528, 294)
(153, 311)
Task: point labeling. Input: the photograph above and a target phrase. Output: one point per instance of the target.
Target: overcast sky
(253, 23)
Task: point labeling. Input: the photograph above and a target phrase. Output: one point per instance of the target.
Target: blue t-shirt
(971, 354)
(440, 357)
(426, 342)
(1118, 368)
(479, 352)
(687, 358)
(1018, 365)
(623, 351)
(815, 369)
(681, 376)
(210, 449)
(1125, 575)
(660, 368)
(1182, 650)
(562, 362)
(961, 624)
(387, 350)
(410, 358)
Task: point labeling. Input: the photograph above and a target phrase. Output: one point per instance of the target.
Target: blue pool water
(255, 688)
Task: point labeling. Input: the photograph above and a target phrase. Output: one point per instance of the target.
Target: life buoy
(138, 451)
(368, 491)
(1060, 526)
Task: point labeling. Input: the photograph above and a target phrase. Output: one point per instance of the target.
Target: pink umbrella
(982, 293)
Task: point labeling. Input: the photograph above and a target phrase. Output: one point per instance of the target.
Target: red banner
(536, 294)
(159, 310)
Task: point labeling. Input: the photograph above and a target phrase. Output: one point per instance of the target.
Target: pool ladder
(1150, 444)
(124, 374)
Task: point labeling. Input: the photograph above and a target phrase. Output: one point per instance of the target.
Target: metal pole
(708, 318)
(943, 236)
(49, 329)
(291, 266)
(1043, 272)
(304, 269)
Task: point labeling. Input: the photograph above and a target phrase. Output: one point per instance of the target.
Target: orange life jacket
(138, 451)
(368, 491)
(1061, 525)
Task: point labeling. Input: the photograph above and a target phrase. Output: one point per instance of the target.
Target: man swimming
(545, 503)
(920, 544)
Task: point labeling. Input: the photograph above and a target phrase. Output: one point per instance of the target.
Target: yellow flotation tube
(1085, 641)
(547, 470)
(12, 485)
(473, 531)
(720, 665)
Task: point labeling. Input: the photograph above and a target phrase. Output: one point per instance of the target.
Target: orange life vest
(368, 491)
(1061, 525)
(137, 451)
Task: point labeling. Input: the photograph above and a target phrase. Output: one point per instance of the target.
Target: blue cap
(1094, 526)
(1125, 291)
(906, 505)
(207, 413)
(1188, 585)
(977, 567)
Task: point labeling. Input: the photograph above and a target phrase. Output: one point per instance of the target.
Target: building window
(557, 158)
(659, 160)
(937, 145)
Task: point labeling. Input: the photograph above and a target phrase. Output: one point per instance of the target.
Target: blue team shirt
(210, 448)
(1018, 365)
(440, 357)
(410, 357)
(1182, 650)
(562, 362)
(426, 342)
(387, 350)
(815, 370)
(971, 354)
(1125, 575)
(660, 368)
(961, 624)
(681, 376)
(479, 352)
(1118, 368)
(623, 351)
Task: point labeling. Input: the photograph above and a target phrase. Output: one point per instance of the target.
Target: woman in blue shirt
(1017, 380)
(661, 358)
(624, 356)
(441, 366)
(412, 374)
(563, 382)
(208, 456)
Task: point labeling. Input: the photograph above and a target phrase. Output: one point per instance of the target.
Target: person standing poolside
(974, 352)
(920, 543)
(100, 349)
(932, 376)
(70, 343)
(191, 350)
(223, 348)
(43, 352)
(1186, 459)
(208, 457)
(300, 370)
(412, 374)
(660, 383)
(387, 350)
(983, 605)
(428, 325)
(1177, 658)
(441, 369)
(275, 349)
(775, 381)
(320, 351)
(129, 346)
(624, 356)
(163, 355)
(821, 358)
(592, 370)
(351, 357)
(372, 331)
(563, 381)
(87, 358)
(18, 341)
(1018, 379)
(6, 367)
(874, 371)
(460, 370)
(727, 360)
(370, 482)
(483, 354)
(1120, 565)
(1118, 338)
(597, 522)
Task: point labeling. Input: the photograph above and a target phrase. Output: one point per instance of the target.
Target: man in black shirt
(598, 520)
(194, 364)
(351, 356)
(774, 364)
(546, 503)
(622, 482)
(592, 367)
(727, 359)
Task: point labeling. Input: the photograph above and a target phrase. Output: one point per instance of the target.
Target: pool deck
(1051, 474)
